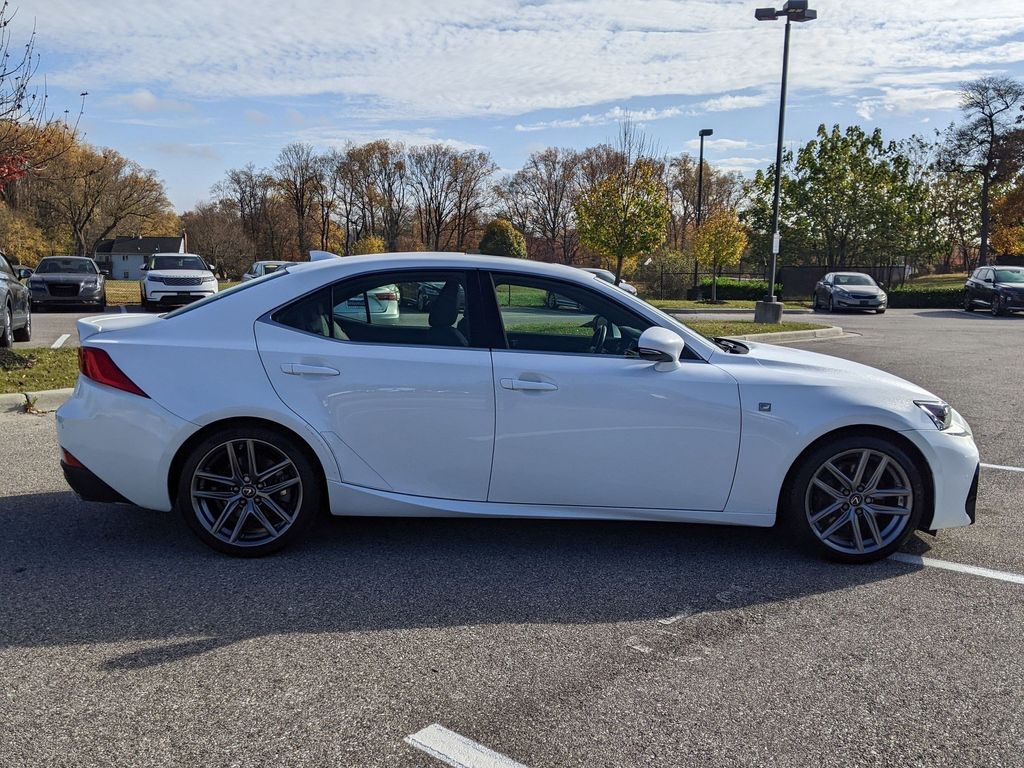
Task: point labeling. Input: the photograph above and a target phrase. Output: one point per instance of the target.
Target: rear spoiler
(90, 326)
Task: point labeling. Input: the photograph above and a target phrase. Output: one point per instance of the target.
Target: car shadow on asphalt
(73, 572)
(978, 314)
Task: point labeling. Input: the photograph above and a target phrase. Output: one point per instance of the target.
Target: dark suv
(15, 307)
(998, 289)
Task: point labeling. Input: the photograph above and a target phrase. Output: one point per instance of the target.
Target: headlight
(154, 279)
(882, 296)
(210, 279)
(842, 292)
(37, 284)
(940, 413)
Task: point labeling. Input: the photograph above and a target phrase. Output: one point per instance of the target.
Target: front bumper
(92, 296)
(954, 461)
(846, 302)
(178, 297)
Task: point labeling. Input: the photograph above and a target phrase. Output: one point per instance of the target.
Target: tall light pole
(770, 310)
(700, 198)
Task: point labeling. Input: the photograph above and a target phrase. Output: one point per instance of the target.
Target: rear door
(406, 406)
(581, 421)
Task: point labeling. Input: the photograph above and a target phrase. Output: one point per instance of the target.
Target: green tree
(625, 214)
(719, 242)
(502, 239)
(368, 244)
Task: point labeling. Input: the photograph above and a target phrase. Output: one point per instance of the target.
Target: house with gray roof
(122, 257)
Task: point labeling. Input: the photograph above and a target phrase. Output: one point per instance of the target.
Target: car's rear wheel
(7, 331)
(25, 332)
(855, 499)
(248, 491)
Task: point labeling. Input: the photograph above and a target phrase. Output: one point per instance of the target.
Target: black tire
(25, 332)
(968, 303)
(815, 307)
(309, 490)
(998, 310)
(798, 492)
(7, 329)
(146, 305)
(831, 304)
(879, 311)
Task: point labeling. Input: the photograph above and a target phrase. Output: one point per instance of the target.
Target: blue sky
(193, 87)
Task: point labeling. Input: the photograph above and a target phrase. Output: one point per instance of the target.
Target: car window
(1009, 276)
(542, 315)
(177, 262)
(427, 308)
(986, 274)
(268, 268)
(854, 280)
(5, 267)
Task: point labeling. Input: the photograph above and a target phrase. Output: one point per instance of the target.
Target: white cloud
(722, 145)
(327, 136)
(144, 100)
(907, 100)
(742, 164)
(408, 59)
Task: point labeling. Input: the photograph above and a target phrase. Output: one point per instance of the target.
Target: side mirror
(24, 273)
(661, 347)
(144, 268)
(211, 267)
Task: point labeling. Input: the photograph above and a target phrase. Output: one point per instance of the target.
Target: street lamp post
(700, 199)
(770, 310)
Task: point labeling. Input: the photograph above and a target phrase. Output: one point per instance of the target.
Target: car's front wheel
(855, 499)
(248, 490)
(997, 306)
(7, 329)
(968, 303)
(25, 332)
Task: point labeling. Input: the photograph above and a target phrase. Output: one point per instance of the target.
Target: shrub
(926, 298)
(730, 288)
(502, 239)
(368, 244)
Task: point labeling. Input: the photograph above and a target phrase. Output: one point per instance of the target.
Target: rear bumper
(127, 442)
(88, 487)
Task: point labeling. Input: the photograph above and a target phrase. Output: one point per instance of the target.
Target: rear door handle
(522, 385)
(301, 369)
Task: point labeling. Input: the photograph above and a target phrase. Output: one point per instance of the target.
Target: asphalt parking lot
(124, 641)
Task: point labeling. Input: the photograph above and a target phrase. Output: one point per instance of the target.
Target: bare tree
(297, 175)
(986, 144)
(215, 231)
(435, 190)
(472, 172)
(388, 176)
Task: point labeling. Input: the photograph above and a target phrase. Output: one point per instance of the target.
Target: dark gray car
(15, 308)
(849, 290)
(68, 280)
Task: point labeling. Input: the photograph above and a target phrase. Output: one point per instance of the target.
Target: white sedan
(496, 405)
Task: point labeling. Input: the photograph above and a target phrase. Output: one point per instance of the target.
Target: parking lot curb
(47, 400)
(825, 332)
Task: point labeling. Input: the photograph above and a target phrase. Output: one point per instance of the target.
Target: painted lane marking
(60, 341)
(974, 570)
(458, 751)
(1000, 466)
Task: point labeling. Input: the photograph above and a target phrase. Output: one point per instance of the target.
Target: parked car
(68, 281)
(15, 306)
(261, 268)
(637, 418)
(1000, 289)
(175, 279)
(555, 301)
(849, 290)
(377, 306)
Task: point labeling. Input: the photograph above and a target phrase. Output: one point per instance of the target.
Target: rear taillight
(386, 296)
(71, 461)
(96, 364)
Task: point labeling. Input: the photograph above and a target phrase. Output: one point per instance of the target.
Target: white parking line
(458, 751)
(60, 341)
(1000, 466)
(974, 570)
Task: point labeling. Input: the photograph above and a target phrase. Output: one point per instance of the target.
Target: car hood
(63, 277)
(800, 366)
(200, 273)
(1015, 287)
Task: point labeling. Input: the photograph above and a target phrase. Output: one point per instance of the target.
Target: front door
(581, 422)
(401, 395)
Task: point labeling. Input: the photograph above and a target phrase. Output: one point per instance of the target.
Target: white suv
(175, 278)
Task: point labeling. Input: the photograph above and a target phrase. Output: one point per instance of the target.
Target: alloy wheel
(859, 501)
(7, 333)
(246, 492)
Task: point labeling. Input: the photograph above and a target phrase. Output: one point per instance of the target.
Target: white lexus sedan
(251, 411)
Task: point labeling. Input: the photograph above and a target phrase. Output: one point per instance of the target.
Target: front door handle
(522, 385)
(301, 369)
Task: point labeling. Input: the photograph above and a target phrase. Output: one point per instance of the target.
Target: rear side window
(427, 308)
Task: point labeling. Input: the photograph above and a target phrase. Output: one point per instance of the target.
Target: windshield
(268, 268)
(1010, 275)
(177, 262)
(66, 266)
(854, 280)
(226, 292)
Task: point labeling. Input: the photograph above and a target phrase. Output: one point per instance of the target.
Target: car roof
(442, 260)
(65, 258)
(862, 274)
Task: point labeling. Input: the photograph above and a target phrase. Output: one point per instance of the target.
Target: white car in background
(261, 268)
(175, 279)
(496, 408)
